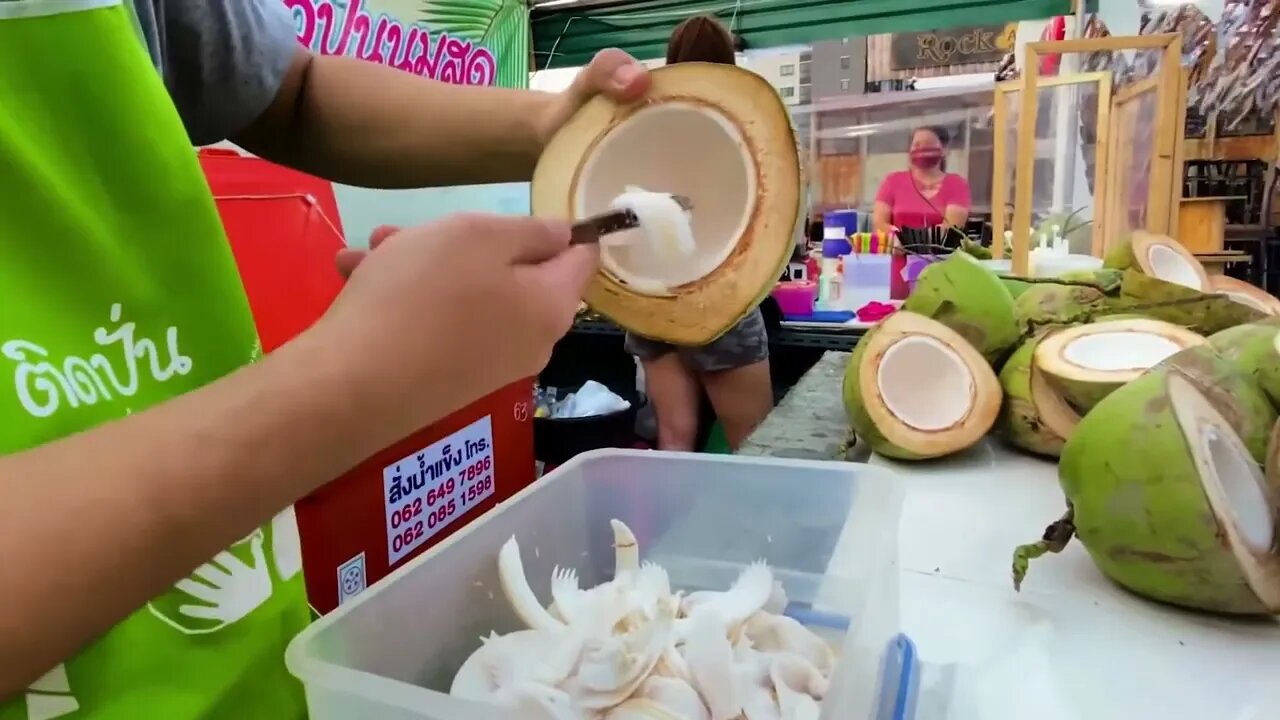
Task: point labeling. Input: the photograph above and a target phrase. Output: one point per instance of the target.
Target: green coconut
(1272, 463)
(1048, 304)
(1095, 295)
(1106, 280)
(970, 299)
(1203, 313)
(1165, 491)
(1016, 286)
(915, 389)
(1085, 363)
(1255, 349)
(1034, 416)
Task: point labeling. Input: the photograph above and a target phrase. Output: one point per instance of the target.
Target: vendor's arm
(236, 71)
(98, 523)
(958, 201)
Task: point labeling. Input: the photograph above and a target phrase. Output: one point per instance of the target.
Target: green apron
(118, 291)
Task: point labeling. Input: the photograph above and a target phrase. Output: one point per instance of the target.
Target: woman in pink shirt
(926, 195)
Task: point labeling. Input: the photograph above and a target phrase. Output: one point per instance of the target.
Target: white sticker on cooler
(426, 491)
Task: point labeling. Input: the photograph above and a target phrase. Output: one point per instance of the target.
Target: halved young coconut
(915, 389)
(716, 134)
(1245, 294)
(1088, 362)
(1159, 256)
(1166, 490)
(1035, 417)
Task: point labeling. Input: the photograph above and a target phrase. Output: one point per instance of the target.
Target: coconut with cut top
(1088, 362)
(1166, 491)
(1159, 256)
(1245, 294)
(716, 134)
(915, 389)
(1034, 417)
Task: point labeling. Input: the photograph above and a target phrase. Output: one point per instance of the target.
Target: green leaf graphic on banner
(502, 26)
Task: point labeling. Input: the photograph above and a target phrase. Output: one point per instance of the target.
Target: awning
(567, 36)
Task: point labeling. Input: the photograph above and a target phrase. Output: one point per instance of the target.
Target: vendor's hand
(430, 313)
(612, 73)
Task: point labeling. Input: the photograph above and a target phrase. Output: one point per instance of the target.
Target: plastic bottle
(829, 280)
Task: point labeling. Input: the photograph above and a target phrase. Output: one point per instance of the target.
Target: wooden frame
(1000, 183)
(1161, 211)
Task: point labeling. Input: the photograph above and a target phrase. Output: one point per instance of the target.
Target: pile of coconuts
(1154, 387)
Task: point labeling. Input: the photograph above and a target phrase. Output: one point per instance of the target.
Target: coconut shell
(866, 414)
(1232, 393)
(1244, 293)
(702, 310)
(1020, 423)
(971, 300)
(1128, 254)
(1084, 389)
(1253, 348)
(1139, 504)
(855, 406)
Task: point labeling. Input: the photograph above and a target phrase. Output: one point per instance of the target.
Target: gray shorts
(745, 344)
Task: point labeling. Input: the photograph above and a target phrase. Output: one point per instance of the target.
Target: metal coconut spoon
(590, 230)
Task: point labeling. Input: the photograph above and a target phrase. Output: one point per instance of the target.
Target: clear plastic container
(829, 530)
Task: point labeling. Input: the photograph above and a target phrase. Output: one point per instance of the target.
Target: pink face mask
(926, 158)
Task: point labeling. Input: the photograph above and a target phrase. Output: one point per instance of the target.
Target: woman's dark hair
(944, 138)
(941, 133)
(701, 39)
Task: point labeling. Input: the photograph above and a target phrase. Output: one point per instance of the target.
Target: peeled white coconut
(632, 649)
(1166, 490)
(1160, 257)
(716, 134)
(1245, 294)
(1086, 363)
(915, 389)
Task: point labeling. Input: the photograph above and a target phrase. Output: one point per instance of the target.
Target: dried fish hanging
(1233, 65)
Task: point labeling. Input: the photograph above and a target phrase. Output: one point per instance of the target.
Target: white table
(1071, 645)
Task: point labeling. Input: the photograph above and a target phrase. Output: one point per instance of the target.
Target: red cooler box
(284, 230)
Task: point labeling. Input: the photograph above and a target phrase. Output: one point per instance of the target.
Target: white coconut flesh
(925, 384)
(1116, 351)
(1165, 258)
(675, 148)
(664, 223)
(1234, 486)
(1170, 266)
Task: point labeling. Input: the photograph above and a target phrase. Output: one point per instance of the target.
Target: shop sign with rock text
(958, 46)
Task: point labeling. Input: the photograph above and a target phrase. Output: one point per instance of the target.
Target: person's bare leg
(742, 398)
(673, 389)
